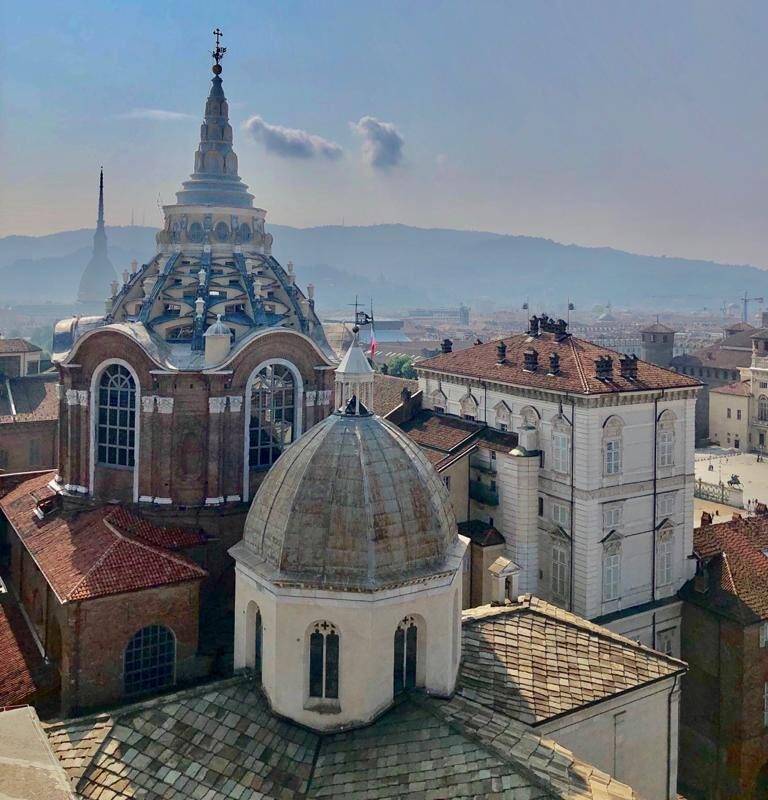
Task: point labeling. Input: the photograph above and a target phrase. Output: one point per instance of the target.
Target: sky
(636, 125)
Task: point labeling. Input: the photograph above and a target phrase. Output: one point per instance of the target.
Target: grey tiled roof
(221, 741)
(535, 661)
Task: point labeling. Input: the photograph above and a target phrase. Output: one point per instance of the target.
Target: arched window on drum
(116, 417)
(273, 415)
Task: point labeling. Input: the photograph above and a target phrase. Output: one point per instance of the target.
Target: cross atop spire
(218, 51)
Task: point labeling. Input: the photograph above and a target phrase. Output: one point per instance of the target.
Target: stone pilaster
(215, 463)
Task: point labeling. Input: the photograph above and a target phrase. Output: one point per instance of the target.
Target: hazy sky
(639, 125)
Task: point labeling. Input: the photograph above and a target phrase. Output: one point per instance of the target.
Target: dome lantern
(354, 380)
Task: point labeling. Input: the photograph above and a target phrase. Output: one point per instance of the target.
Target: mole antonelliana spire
(99, 272)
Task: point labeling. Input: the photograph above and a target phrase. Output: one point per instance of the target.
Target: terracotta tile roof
(18, 346)
(387, 392)
(439, 431)
(34, 399)
(85, 556)
(169, 538)
(740, 326)
(22, 669)
(534, 661)
(735, 554)
(480, 533)
(577, 366)
(740, 388)
(222, 741)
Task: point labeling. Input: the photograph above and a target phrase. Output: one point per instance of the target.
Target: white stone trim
(145, 498)
(148, 403)
(298, 407)
(164, 405)
(162, 501)
(214, 501)
(73, 487)
(77, 397)
(92, 423)
(235, 405)
(217, 405)
(233, 498)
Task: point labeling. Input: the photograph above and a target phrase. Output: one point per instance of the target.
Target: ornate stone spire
(354, 380)
(99, 273)
(215, 180)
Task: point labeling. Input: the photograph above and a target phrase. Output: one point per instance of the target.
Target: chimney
(134, 266)
(126, 276)
(604, 368)
(447, 346)
(530, 360)
(706, 518)
(501, 352)
(628, 366)
(533, 326)
(554, 364)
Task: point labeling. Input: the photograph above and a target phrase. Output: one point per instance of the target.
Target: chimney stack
(533, 326)
(706, 518)
(447, 346)
(604, 368)
(628, 366)
(501, 352)
(554, 364)
(530, 360)
(134, 266)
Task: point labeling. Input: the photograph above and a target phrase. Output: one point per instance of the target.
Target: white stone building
(595, 503)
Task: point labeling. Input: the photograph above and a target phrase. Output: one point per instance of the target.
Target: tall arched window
(665, 440)
(324, 661)
(150, 660)
(406, 648)
(116, 423)
(762, 408)
(273, 409)
(612, 445)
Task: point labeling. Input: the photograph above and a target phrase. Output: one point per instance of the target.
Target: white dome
(354, 504)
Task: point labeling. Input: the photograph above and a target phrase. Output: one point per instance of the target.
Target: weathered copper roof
(353, 504)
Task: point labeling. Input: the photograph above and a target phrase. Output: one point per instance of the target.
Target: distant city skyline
(635, 126)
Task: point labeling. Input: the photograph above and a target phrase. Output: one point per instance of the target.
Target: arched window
(469, 406)
(150, 660)
(116, 424)
(762, 408)
(222, 231)
(406, 648)
(245, 233)
(612, 446)
(611, 568)
(664, 556)
(665, 440)
(253, 639)
(273, 408)
(324, 661)
(195, 232)
(529, 417)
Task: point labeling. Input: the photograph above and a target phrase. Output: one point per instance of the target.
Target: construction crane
(745, 308)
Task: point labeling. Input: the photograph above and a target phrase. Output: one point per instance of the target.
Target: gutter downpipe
(669, 737)
(572, 502)
(653, 521)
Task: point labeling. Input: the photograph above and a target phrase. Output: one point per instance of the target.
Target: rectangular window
(447, 482)
(665, 504)
(469, 417)
(560, 452)
(613, 457)
(541, 506)
(611, 517)
(664, 560)
(559, 583)
(738, 413)
(611, 576)
(665, 641)
(666, 448)
(728, 413)
(561, 514)
(438, 409)
(502, 426)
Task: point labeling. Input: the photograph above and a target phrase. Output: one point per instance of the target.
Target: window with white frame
(612, 450)
(503, 415)
(665, 641)
(665, 504)
(561, 447)
(116, 417)
(612, 516)
(611, 570)
(764, 634)
(665, 440)
(561, 515)
(560, 566)
(762, 408)
(272, 409)
(664, 552)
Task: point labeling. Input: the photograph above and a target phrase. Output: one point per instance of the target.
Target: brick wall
(17, 450)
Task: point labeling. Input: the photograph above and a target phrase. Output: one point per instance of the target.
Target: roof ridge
(579, 367)
(161, 551)
(95, 564)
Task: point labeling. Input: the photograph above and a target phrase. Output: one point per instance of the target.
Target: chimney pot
(447, 346)
(501, 352)
(530, 360)
(554, 364)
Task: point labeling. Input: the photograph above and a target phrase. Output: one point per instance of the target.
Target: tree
(401, 367)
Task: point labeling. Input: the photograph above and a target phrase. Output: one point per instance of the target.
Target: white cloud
(157, 114)
(291, 142)
(382, 142)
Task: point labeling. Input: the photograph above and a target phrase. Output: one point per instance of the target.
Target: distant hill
(401, 266)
